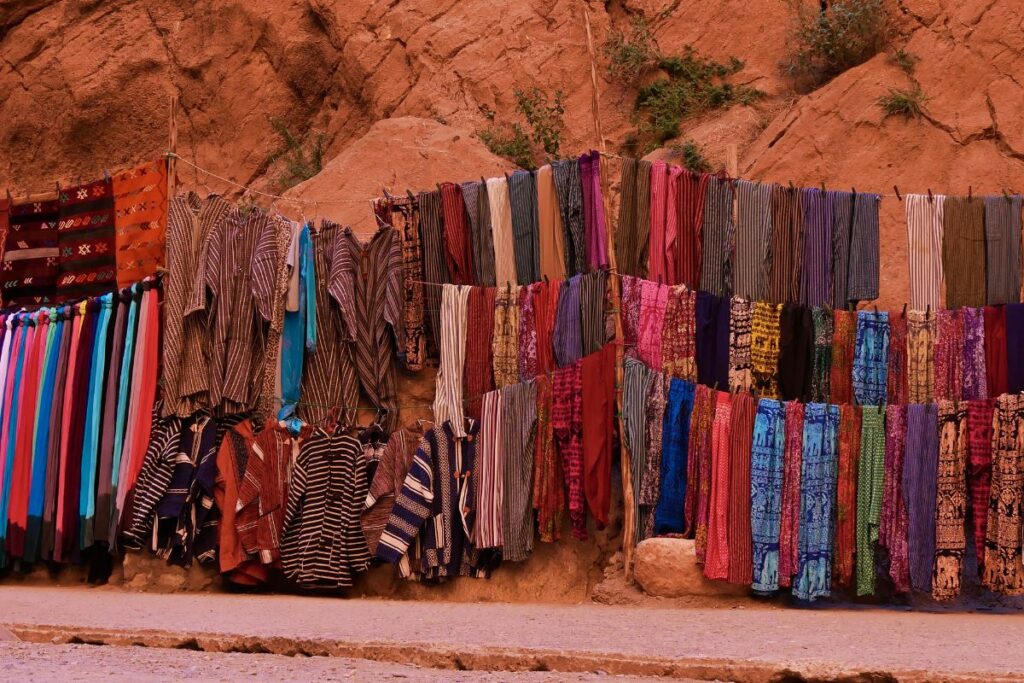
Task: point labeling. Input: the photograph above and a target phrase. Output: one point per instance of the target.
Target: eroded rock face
(667, 568)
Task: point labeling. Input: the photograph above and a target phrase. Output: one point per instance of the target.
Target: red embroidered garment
(87, 262)
(844, 329)
(846, 496)
(31, 254)
(567, 423)
(790, 529)
(716, 560)
(548, 484)
(140, 220)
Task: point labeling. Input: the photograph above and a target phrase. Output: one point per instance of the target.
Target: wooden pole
(732, 164)
(172, 147)
(629, 521)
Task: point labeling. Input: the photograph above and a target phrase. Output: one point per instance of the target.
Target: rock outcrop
(667, 568)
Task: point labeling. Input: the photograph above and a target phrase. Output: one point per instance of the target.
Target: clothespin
(930, 197)
(409, 193)
(791, 185)
(438, 186)
(9, 193)
(823, 190)
(904, 309)
(659, 279)
(898, 196)
(928, 311)
(853, 191)
(876, 309)
(546, 281)
(970, 193)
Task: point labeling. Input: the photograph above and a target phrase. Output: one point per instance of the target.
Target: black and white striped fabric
(525, 226)
(717, 235)
(570, 200)
(322, 543)
(864, 245)
(153, 481)
(753, 237)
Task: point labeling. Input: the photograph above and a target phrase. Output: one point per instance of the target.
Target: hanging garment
(892, 530)
(87, 263)
(924, 233)
(764, 349)
(31, 253)
(545, 307)
(1002, 249)
(842, 227)
(849, 448)
(9, 426)
(716, 562)
(19, 455)
(570, 200)
(505, 337)
(629, 303)
(653, 305)
(232, 458)
(979, 469)
(439, 487)
(740, 532)
(55, 421)
(448, 405)
(404, 214)
(669, 517)
(322, 543)
(567, 335)
(949, 353)
(816, 274)
(919, 477)
(766, 478)
(1014, 342)
(567, 425)
(920, 356)
(330, 387)
(152, 483)
(691, 205)
(365, 281)
(950, 500)
(522, 189)
(478, 377)
(636, 383)
(741, 313)
(896, 375)
(657, 258)
(996, 380)
(698, 469)
(753, 239)
(817, 500)
(475, 197)
(490, 468)
(973, 384)
(864, 248)
(716, 238)
(598, 415)
(595, 237)
(870, 358)
(786, 246)
(643, 217)
(627, 248)
(963, 250)
(844, 334)
(519, 418)
(678, 354)
(593, 332)
(548, 485)
(392, 468)
(140, 220)
(435, 268)
(94, 408)
(712, 341)
(134, 337)
(549, 217)
(186, 378)
(796, 343)
(870, 483)
(299, 327)
(458, 240)
(821, 355)
(650, 482)
(1003, 571)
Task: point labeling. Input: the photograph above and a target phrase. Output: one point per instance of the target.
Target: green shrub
(303, 157)
(512, 143)
(906, 103)
(904, 60)
(629, 57)
(827, 43)
(543, 118)
(691, 155)
(692, 85)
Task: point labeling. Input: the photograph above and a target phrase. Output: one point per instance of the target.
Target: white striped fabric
(501, 228)
(924, 233)
(448, 398)
(489, 478)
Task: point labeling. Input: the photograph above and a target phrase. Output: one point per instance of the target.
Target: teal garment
(295, 335)
(124, 383)
(818, 472)
(41, 436)
(10, 422)
(91, 435)
(308, 274)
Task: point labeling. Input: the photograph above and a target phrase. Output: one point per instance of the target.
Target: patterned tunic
(764, 349)
(949, 352)
(322, 543)
(403, 214)
(31, 254)
(366, 284)
(1003, 571)
(741, 313)
(87, 263)
(896, 378)
(821, 360)
(870, 360)
(790, 531)
(698, 466)
(140, 220)
(817, 501)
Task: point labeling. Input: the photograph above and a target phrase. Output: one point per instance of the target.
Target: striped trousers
(448, 399)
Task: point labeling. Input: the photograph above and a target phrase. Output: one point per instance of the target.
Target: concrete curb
(484, 659)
